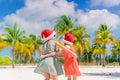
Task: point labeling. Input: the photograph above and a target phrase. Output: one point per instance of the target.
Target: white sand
(88, 73)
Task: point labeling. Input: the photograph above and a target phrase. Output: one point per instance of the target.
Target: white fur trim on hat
(50, 36)
(68, 42)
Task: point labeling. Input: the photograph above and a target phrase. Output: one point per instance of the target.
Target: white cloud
(30, 27)
(106, 3)
(39, 14)
(44, 9)
(94, 18)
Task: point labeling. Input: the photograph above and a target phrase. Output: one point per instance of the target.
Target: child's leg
(47, 76)
(74, 77)
(69, 78)
(54, 77)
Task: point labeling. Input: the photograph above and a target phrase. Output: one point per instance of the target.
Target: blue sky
(35, 15)
(9, 6)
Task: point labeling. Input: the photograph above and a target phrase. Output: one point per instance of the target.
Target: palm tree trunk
(108, 59)
(103, 60)
(100, 60)
(97, 60)
(79, 58)
(21, 59)
(104, 55)
(34, 61)
(34, 58)
(119, 58)
(87, 58)
(13, 59)
(80, 41)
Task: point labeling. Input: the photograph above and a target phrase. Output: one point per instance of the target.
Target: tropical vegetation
(24, 47)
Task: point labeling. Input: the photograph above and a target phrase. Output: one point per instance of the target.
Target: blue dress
(49, 64)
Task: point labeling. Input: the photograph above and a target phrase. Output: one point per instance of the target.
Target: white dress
(49, 64)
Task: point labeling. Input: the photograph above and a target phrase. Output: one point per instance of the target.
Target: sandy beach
(88, 73)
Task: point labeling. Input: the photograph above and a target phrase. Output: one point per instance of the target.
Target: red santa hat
(47, 34)
(68, 38)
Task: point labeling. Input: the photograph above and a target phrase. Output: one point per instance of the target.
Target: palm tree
(25, 49)
(3, 43)
(116, 49)
(13, 35)
(104, 36)
(87, 52)
(36, 43)
(63, 24)
(81, 40)
(97, 51)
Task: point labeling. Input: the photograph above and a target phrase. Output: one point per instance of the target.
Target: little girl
(49, 66)
(70, 65)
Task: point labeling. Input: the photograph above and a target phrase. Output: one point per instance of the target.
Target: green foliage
(112, 58)
(61, 60)
(24, 48)
(13, 34)
(63, 24)
(5, 60)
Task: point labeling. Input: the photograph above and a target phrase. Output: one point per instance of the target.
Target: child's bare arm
(48, 55)
(64, 48)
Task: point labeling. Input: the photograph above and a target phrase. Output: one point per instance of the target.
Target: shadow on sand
(113, 75)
